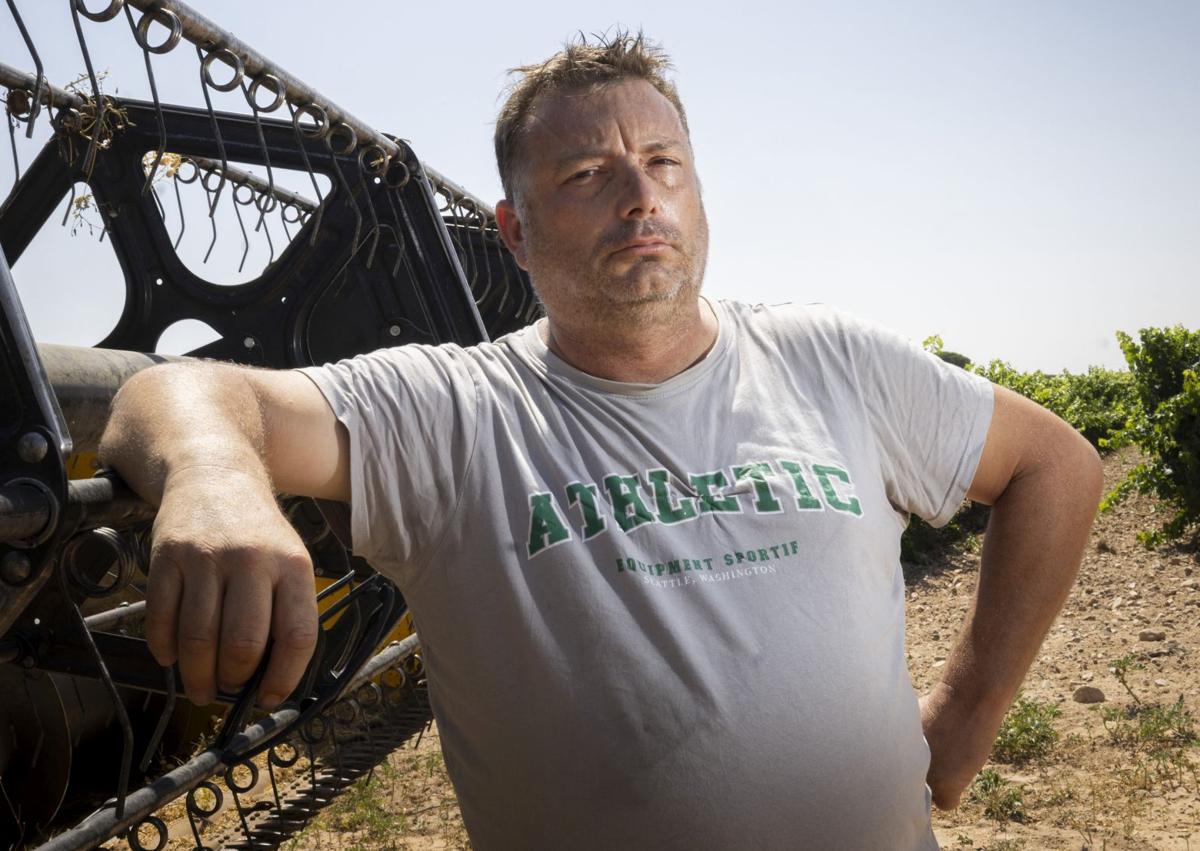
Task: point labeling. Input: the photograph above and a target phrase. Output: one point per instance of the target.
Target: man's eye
(584, 174)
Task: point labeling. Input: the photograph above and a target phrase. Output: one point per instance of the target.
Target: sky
(1021, 178)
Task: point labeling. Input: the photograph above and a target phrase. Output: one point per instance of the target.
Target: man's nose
(639, 198)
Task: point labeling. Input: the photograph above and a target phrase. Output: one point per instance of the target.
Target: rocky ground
(1128, 781)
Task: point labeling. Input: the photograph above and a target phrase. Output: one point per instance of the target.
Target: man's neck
(645, 353)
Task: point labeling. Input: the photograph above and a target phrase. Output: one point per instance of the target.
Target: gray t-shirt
(667, 616)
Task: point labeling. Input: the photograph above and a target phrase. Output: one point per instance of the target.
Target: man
(652, 542)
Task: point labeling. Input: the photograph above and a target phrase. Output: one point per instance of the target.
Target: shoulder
(449, 361)
(819, 326)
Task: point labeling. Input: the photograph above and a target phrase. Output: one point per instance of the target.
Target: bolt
(394, 330)
(32, 447)
(15, 568)
(248, 342)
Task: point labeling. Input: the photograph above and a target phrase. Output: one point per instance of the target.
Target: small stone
(1088, 694)
(939, 663)
(1086, 676)
(1151, 635)
(1160, 682)
(1117, 603)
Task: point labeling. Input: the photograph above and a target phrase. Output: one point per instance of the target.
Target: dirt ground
(1089, 793)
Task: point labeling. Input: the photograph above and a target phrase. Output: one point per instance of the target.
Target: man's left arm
(1044, 482)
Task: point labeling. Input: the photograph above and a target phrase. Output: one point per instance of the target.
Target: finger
(199, 622)
(163, 592)
(245, 623)
(294, 632)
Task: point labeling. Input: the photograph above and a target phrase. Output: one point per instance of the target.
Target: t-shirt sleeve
(412, 415)
(929, 419)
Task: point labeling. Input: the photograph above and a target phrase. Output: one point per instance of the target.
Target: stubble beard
(593, 295)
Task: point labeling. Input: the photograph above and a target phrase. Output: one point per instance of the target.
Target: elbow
(134, 406)
(1080, 467)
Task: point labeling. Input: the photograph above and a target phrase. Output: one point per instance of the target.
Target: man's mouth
(643, 248)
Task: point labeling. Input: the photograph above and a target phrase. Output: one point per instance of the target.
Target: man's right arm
(211, 445)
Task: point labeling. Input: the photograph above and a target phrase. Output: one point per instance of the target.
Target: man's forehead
(590, 118)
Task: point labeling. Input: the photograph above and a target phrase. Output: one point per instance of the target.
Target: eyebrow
(596, 152)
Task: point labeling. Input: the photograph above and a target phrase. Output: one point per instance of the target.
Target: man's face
(608, 221)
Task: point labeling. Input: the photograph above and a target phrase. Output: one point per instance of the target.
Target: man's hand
(208, 444)
(960, 740)
(227, 571)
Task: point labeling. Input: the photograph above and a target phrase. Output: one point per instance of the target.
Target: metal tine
(241, 224)
(237, 801)
(349, 196)
(162, 212)
(456, 236)
(89, 160)
(400, 246)
(158, 113)
(70, 205)
(38, 70)
(182, 217)
(370, 204)
(312, 765)
(216, 135)
(338, 279)
(212, 221)
(311, 174)
(337, 750)
(487, 263)
(274, 786)
(418, 291)
(468, 232)
(12, 138)
(333, 587)
(340, 604)
(262, 140)
(465, 234)
(266, 229)
(397, 240)
(366, 723)
(192, 819)
(283, 221)
(163, 720)
(118, 706)
(264, 202)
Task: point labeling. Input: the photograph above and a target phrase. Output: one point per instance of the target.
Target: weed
(1027, 732)
(1007, 844)
(360, 808)
(1120, 669)
(1151, 727)
(1002, 801)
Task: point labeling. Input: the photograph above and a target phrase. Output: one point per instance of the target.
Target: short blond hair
(581, 64)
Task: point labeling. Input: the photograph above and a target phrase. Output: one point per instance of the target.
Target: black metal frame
(324, 316)
(340, 287)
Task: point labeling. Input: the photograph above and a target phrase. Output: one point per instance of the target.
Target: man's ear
(511, 230)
